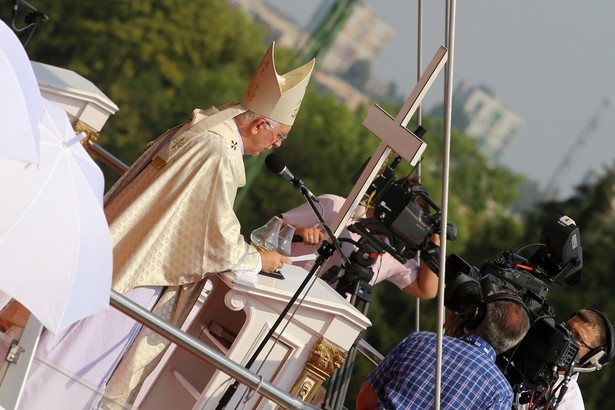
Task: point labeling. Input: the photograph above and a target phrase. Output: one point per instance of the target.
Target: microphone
(15, 6)
(276, 164)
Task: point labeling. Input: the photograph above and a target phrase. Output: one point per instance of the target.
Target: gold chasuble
(171, 215)
(172, 223)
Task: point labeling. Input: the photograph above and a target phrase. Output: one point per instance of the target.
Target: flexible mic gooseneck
(276, 164)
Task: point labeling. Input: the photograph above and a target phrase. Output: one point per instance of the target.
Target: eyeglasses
(577, 336)
(280, 137)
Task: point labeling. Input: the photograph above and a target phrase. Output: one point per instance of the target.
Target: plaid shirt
(470, 378)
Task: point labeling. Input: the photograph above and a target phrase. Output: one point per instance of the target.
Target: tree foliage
(156, 59)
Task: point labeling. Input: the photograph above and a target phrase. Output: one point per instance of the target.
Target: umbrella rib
(34, 199)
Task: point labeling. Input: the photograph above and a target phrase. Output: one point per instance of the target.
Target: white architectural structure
(489, 120)
(235, 318)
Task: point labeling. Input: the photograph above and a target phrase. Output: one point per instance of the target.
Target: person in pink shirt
(420, 281)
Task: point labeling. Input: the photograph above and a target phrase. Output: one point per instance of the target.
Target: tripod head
(353, 276)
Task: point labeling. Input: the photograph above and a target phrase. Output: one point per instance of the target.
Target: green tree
(157, 60)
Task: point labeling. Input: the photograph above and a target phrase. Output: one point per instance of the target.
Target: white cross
(393, 135)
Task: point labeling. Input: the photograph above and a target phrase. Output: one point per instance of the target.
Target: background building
(480, 113)
(345, 66)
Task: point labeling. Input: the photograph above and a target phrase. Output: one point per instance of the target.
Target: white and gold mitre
(277, 96)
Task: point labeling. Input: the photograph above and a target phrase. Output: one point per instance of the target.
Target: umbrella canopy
(55, 247)
(21, 105)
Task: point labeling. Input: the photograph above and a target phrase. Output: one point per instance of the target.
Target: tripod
(352, 279)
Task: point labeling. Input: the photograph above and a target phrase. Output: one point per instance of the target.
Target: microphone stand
(298, 184)
(325, 250)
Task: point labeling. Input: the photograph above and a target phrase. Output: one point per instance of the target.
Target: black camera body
(547, 348)
(406, 215)
(399, 210)
(401, 214)
(533, 365)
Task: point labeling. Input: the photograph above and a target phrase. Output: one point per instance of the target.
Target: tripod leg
(340, 379)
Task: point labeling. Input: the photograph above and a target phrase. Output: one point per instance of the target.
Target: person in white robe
(172, 224)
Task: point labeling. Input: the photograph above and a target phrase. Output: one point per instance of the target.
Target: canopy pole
(446, 143)
(17, 364)
(419, 122)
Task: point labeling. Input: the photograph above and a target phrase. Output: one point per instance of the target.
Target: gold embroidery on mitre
(251, 93)
(294, 114)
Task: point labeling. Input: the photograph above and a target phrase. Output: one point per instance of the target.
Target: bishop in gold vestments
(172, 223)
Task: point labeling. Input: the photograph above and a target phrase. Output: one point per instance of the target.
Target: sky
(551, 61)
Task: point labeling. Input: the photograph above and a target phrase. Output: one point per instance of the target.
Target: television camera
(401, 220)
(404, 213)
(548, 348)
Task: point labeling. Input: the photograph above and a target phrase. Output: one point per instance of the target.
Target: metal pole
(17, 364)
(106, 157)
(204, 352)
(370, 352)
(419, 122)
(448, 104)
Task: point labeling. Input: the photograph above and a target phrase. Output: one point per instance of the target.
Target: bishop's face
(262, 136)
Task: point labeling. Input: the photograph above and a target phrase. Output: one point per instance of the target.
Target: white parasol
(21, 105)
(55, 247)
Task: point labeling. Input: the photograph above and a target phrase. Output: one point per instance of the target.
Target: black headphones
(601, 355)
(474, 314)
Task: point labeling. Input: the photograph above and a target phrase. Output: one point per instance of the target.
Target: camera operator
(593, 333)
(471, 379)
(420, 281)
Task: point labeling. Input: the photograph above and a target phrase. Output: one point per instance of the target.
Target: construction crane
(552, 189)
(327, 30)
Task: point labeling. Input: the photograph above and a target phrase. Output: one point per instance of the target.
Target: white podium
(87, 107)
(234, 319)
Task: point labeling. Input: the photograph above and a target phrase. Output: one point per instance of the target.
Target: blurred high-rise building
(280, 27)
(356, 45)
(487, 118)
